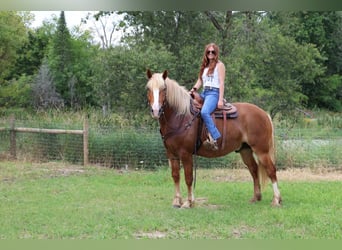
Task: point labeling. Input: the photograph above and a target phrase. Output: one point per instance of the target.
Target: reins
(178, 131)
(195, 167)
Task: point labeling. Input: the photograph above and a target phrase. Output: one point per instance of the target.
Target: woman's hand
(220, 104)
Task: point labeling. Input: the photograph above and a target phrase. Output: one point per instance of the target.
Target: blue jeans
(210, 98)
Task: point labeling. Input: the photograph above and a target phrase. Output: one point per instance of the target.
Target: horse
(250, 133)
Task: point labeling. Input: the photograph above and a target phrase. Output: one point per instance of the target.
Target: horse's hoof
(188, 204)
(276, 202)
(177, 202)
(255, 199)
(252, 201)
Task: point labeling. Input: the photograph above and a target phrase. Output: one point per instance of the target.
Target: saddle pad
(229, 110)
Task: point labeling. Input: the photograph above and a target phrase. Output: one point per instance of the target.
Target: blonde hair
(177, 96)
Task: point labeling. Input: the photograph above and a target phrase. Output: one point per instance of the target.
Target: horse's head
(156, 94)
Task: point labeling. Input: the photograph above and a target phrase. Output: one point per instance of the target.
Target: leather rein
(180, 129)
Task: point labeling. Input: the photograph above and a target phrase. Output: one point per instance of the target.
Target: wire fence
(143, 148)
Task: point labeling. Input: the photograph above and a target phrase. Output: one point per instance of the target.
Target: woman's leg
(210, 103)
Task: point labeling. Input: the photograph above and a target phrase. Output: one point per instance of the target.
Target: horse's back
(255, 124)
(251, 111)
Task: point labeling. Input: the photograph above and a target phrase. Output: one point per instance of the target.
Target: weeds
(120, 141)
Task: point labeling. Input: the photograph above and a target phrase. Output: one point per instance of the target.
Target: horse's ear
(165, 74)
(149, 74)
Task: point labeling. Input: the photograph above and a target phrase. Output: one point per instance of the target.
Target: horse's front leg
(175, 167)
(188, 173)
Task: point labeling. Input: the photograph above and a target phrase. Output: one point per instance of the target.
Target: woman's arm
(197, 85)
(222, 74)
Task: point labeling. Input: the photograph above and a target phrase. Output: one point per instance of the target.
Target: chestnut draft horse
(250, 133)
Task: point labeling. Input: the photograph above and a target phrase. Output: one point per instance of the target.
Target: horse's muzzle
(155, 113)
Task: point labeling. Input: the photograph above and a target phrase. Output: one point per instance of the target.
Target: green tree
(70, 60)
(31, 54)
(267, 68)
(183, 33)
(82, 71)
(61, 59)
(12, 36)
(16, 92)
(120, 75)
(324, 30)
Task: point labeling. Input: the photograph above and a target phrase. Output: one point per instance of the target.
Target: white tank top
(211, 80)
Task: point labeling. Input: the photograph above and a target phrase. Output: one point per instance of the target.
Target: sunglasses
(211, 52)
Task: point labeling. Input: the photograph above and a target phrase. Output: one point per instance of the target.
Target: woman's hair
(206, 62)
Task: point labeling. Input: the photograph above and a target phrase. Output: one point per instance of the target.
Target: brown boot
(210, 143)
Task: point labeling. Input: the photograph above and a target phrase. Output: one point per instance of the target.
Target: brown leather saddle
(229, 111)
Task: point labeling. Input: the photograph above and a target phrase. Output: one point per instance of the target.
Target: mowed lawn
(58, 201)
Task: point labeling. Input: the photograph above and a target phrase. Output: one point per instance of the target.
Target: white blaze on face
(155, 105)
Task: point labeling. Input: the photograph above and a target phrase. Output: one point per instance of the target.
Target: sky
(72, 18)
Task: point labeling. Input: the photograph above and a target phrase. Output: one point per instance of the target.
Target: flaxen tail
(263, 176)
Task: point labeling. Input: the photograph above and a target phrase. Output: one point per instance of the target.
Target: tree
(70, 61)
(120, 75)
(31, 54)
(44, 92)
(61, 59)
(80, 84)
(182, 33)
(13, 35)
(16, 92)
(267, 68)
(324, 30)
(222, 22)
(105, 24)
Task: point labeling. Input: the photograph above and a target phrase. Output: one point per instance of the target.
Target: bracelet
(195, 89)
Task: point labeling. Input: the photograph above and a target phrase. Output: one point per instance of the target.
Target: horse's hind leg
(175, 167)
(248, 158)
(268, 165)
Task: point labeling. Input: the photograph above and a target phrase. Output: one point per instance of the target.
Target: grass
(58, 201)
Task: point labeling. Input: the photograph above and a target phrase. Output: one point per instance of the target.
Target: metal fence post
(13, 144)
(85, 141)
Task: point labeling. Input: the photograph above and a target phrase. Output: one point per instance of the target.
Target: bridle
(176, 131)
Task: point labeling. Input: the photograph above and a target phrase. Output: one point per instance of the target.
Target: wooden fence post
(13, 144)
(85, 141)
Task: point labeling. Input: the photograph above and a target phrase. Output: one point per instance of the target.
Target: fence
(143, 148)
(93, 144)
(13, 130)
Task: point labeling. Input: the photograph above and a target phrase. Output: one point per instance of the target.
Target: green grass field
(59, 201)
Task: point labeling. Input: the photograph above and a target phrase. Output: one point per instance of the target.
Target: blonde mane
(177, 96)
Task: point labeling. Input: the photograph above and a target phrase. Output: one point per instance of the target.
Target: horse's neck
(171, 121)
(168, 117)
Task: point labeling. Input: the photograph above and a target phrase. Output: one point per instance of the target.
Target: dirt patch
(308, 174)
(203, 202)
(293, 174)
(238, 233)
(150, 235)
(13, 170)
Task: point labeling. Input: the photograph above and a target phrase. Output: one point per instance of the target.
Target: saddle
(229, 111)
